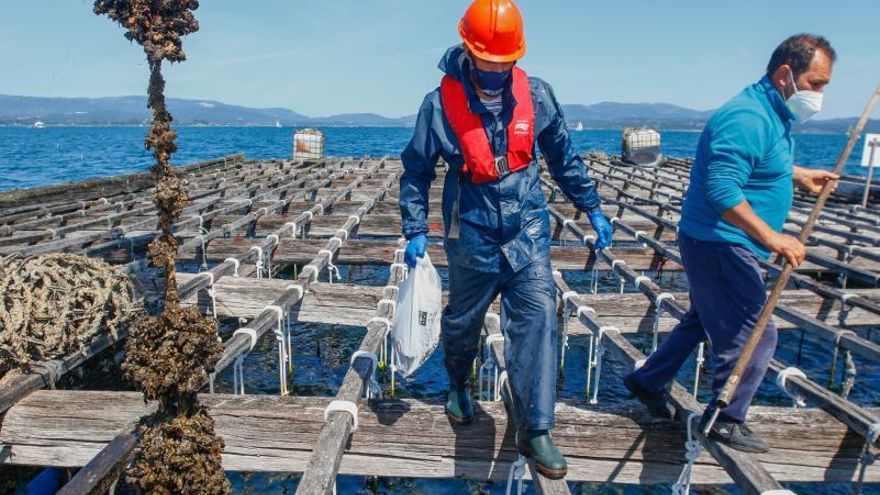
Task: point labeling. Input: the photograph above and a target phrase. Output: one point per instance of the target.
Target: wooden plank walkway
(604, 443)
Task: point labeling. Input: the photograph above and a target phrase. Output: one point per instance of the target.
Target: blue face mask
(492, 83)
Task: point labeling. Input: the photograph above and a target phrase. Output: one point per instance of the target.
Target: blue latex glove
(603, 229)
(415, 249)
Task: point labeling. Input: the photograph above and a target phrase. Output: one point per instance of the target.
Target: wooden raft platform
(248, 219)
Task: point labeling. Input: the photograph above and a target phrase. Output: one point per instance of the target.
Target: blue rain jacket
(507, 217)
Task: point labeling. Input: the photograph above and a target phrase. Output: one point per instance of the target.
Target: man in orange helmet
(485, 120)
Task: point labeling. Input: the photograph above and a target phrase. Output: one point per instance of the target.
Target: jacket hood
(455, 63)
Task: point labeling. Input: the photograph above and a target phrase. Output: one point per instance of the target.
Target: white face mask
(804, 104)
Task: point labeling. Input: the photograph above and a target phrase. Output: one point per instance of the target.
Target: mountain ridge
(132, 110)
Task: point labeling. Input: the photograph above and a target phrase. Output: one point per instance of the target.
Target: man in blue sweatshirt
(739, 197)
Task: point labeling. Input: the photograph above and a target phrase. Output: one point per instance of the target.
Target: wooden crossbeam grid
(343, 211)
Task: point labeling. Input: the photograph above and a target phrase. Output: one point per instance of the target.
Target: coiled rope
(56, 304)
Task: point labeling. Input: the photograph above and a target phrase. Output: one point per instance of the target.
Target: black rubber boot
(539, 446)
(655, 402)
(459, 406)
(735, 434)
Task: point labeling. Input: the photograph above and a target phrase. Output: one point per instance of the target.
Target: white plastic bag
(415, 331)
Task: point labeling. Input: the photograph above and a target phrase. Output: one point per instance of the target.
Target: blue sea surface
(34, 157)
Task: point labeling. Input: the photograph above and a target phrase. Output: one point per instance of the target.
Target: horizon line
(377, 113)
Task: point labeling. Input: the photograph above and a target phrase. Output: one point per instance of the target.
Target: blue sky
(327, 57)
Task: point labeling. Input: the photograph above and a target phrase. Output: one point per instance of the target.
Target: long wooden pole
(733, 380)
(867, 194)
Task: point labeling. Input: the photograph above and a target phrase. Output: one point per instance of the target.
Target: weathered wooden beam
(859, 232)
(111, 461)
(857, 418)
(18, 387)
(245, 297)
(606, 443)
(840, 217)
(544, 485)
(79, 239)
(867, 276)
(327, 455)
(839, 240)
(633, 312)
(272, 187)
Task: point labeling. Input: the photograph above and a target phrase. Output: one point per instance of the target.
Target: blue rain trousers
(727, 294)
(528, 322)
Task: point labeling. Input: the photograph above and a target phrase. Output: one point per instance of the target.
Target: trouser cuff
(546, 425)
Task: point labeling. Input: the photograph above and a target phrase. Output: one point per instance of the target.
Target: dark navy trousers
(528, 322)
(727, 294)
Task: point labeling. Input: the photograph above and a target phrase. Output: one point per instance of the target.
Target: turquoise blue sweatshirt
(745, 153)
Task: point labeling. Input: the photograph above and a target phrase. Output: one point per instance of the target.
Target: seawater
(35, 157)
(32, 157)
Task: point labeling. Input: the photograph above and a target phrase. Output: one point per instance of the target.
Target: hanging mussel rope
(179, 452)
(54, 305)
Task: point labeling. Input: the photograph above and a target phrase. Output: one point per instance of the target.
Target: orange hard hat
(493, 30)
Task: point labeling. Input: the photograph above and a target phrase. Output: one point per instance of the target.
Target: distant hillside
(132, 110)
(608, 110)
(836, 126)
(611, 115)
(357, 119)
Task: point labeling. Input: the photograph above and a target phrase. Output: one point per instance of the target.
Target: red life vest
(479, 159)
